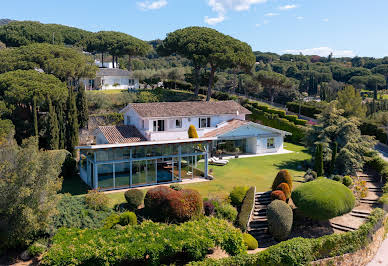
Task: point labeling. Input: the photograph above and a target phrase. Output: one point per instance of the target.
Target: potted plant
(236, 152)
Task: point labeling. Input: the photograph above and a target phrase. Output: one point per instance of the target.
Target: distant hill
(5, 21)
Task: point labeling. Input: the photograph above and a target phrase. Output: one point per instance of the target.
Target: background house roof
(121, 134)
(182, 109)
(113, 72)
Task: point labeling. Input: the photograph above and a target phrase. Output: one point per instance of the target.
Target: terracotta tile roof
(230, 125)
(182, 109)
(121, 134)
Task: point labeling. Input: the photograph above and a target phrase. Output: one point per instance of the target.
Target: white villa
(153, 146)
(112, 79)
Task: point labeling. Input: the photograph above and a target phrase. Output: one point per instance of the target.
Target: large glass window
(143, 172)
(122, 174)
(204, 122)
(178, 123)
(105, 175)
(158, 125)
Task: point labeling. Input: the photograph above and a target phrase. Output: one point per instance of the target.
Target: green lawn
(255, 171)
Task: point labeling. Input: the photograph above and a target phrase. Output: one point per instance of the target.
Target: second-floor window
(158, 125)
(178, 123)
(204, 122)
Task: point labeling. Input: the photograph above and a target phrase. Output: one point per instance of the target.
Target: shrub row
(305, 109)
(273, 120)
(301, 251)
(147, 243)
(372, 129)
(246, 209)
(280, 113)
(177, 84)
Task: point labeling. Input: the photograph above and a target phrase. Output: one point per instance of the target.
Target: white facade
(119, 83)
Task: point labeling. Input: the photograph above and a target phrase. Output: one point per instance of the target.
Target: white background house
(112, 79)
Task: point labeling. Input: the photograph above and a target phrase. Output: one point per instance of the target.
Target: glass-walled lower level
(125, 167)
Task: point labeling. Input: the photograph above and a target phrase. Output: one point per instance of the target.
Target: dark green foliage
(111, 220)
(305, 109)
(208, 208)
(283, 176)
(310, 175)
(347, 181)
(148, 243)
(61, 125)
(379, 165)
(52, 128)
(97, 200)
(176, 187)
(250, 241)
(237, 195)
(323, 199)
(82, 108)
(278, 195)
(128, 218)
(338, 178)
(177, 84)
(302, 251)
(36, 249)
(69, 167)
(246, 209)
(134, 198)
(285, 189)
(74, 212)
(72, 127)
(35, 116)
(318, 159)
(280, 217)
(225, 211)
(333, 157)
(371, 129)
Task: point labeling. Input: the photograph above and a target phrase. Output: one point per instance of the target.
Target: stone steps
(258, 226)
(341, 227)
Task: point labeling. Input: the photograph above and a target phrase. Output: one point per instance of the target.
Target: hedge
(302, 251)
(178, 84)
(371, 129)
(305, 109)
(246, 209)
(381, 167)
(237, 195)
(147, 243)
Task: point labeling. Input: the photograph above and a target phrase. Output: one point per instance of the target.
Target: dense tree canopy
(273, 82)
(350, 101)
(65, 63)
(207, 46)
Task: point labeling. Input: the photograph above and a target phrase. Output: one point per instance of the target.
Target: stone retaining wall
(358, 258)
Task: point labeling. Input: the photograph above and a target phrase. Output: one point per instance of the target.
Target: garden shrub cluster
(128, 218)
(237, 195)
(302, 251)
(223, 210)
(310, 175)
(208, 208)
(281, 113)
(280, 217)
(323, 199)
(278, 195)
(148, 243)
(305, 109)
(283, 176)
(285, 188)
(246, 209)
(74, 212)
(134, 198)
(347, 181)
(96, 200)
(166, 204)
(250, 242)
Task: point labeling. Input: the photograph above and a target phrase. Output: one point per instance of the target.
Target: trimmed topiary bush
(128, 218)
(111, 220)
(134, 198)
(323, 199)
(225, 211)
(280, 217)
(246, 209)
(283, 176)
(237, 195)
(337, 178)
(250, 241)
(278, 195)
(208, 207)
(347, 181)
(286, 189)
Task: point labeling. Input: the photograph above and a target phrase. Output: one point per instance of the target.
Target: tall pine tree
(82, 108)
(61, 125)
(72, 128)
(35, 116)
(333, 157)
(52, 128)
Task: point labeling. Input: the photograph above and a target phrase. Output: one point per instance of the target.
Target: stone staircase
(258, 225)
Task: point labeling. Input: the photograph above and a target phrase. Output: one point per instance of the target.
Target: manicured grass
(254, 171)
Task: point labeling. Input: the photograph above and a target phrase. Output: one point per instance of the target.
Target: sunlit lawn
(254, 171)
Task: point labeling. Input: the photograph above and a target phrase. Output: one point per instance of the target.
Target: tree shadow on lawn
(294, 164)
(74, 185)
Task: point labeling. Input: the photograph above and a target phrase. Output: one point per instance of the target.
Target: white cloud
(287, 7)
(151, 5)
(299, 17)
(271, 14)
(325, 20)
(321, 51)
(221, 7)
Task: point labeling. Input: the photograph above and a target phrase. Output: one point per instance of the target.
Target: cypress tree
(52, 128)
(333, 157)
(61, 125)
(319, 159)
(72, 123)
(35, 116)
(82, 107)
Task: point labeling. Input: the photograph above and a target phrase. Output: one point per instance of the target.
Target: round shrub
(286, 189)
(310, 175)
(208, 207)
(134, 198)
(347, 181)
(225, 211)
(96, 200)
(283, 176)
(237, 195)
(127, 218)
(36, 249)
(250, 241)
(323, 199)
(176, 187)
(278, 195)
(279, 215)
(337, 178)
(111, 220)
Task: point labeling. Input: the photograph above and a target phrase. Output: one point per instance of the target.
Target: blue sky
(344, 27)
